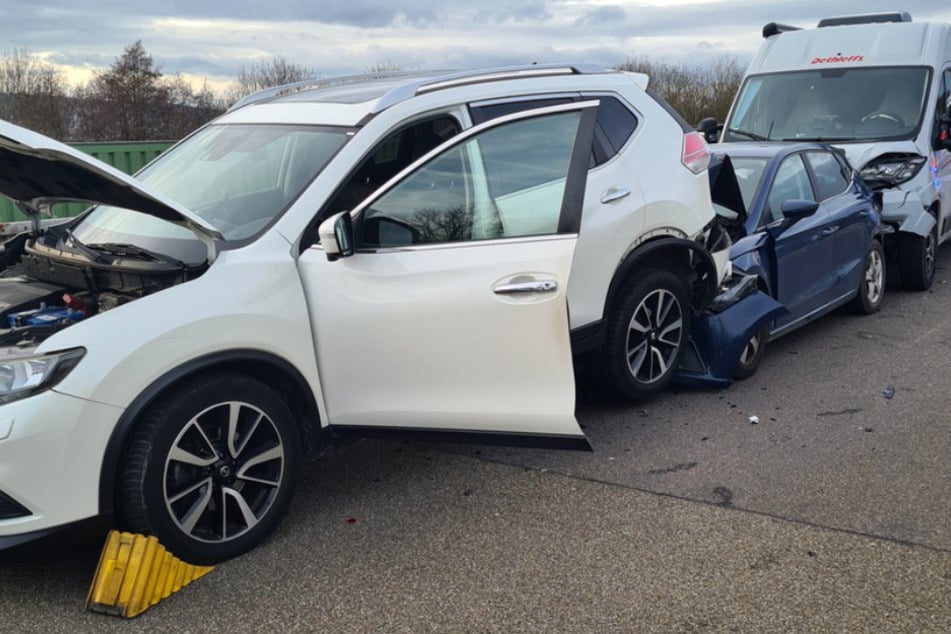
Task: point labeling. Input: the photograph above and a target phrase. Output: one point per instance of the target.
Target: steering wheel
(884, 115)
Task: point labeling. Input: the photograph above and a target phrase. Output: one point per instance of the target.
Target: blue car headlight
(22, 376)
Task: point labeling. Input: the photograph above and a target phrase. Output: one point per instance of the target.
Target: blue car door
(851, 220)
(803, 260)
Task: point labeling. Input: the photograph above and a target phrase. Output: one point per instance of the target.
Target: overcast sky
(213, 38)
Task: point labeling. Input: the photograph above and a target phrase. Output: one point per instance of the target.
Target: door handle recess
(518, 288)
(615, 193)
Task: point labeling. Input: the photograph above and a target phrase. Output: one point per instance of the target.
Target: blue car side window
(791, 183)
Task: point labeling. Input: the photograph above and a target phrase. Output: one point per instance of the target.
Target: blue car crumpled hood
(719, 335)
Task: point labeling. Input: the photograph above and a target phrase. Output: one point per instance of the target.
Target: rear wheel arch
(272, 370)
(685, 258)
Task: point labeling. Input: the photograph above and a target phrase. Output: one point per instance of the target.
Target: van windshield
(833, 104)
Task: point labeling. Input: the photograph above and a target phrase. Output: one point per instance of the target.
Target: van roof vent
(869, 18)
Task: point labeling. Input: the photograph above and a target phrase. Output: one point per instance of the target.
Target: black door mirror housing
(710, 129)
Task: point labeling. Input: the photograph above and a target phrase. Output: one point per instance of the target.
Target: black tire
(216, 466)
(871, 290)
(916, 259)
(656, 347)
(752, 355)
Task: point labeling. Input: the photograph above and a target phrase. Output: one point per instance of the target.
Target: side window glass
(615, 124)
(616, 121)
(505, 182)
(391, 156)
(830, 177)
(791, 183)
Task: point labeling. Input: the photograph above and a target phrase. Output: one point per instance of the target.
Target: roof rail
(432, 84)
(869, 18)
(425, 82)
(775, 28)
(267, 94)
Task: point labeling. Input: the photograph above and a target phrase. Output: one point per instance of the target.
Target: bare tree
(694, 91)
(124, 102)
(134, 101)
(381, 69)
(186, 109)
(33, 93)
(275, 71)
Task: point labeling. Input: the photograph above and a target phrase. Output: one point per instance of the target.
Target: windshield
(835, 104)
(237, 177)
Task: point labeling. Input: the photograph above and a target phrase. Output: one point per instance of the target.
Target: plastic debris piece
(754, 420)
(351, 520)
(889, 392)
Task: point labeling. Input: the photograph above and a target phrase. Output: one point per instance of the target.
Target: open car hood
(724, 188)
(37, 171)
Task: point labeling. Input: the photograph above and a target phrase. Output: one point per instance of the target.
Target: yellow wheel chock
(135, 572)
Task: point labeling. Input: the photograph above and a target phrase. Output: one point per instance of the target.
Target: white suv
(358, 255)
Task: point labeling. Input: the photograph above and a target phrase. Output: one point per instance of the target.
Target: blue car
(806, 225)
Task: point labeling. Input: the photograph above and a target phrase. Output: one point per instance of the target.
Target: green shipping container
(129, 157)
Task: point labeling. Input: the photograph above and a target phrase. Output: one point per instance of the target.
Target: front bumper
(51, 450)
(719, 335)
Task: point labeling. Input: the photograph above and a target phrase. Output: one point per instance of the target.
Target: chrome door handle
(518, 288)
(615, 193)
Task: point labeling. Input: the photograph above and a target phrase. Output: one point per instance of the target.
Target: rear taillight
(696, 156)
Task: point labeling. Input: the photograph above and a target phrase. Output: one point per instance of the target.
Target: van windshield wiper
(748, 134)
(134, 250)
(818, 139)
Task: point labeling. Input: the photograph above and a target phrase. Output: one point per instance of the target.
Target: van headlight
(22, 376)
(891, 170)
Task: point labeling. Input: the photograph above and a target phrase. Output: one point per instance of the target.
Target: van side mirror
(942, 137)
(710, 129)
(336, 236)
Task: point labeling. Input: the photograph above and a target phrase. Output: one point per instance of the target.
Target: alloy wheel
(875, 276)
(223, 472)
(749, 352)
(654, 336)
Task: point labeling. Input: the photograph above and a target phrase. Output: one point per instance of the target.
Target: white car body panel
(417, 338)
(262, 294)
(65, 436)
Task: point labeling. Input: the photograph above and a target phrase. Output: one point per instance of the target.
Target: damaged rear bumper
(719, 335)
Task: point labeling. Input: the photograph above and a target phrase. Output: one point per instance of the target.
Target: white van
(879, 87)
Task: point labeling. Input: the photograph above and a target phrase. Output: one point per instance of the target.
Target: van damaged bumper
(719, 335)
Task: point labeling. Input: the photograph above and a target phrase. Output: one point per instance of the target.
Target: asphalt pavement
(827, 512)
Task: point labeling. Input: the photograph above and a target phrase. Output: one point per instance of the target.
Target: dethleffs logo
(838, 58)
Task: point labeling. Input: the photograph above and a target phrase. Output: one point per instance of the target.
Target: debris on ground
(889, 392)
(754, 420)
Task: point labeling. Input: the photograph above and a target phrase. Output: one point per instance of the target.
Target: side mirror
(336, 236)
(942, 137)
(710, 129)
(793, 211)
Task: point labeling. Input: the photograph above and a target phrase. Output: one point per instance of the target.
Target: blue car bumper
(719, 335)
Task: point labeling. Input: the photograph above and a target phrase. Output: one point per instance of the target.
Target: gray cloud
(347, 36)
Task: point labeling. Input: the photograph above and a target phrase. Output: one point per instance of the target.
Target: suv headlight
(22, 376)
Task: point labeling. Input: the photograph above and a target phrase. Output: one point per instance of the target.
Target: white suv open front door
(451, 315)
